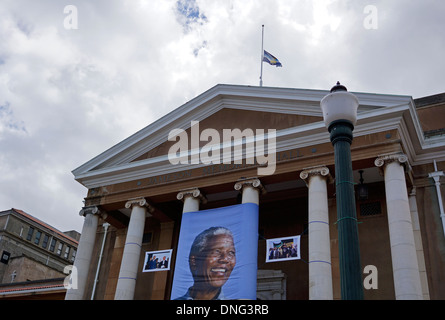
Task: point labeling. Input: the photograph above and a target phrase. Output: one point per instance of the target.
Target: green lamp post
(340, 115)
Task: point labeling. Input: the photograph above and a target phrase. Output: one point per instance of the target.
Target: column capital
(141, 202)
(322, 171)
(89, 210)
(251, 182)
(192, 192)
(382, 160)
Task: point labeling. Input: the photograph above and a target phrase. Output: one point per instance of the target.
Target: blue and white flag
(217, 254)
(270, 59)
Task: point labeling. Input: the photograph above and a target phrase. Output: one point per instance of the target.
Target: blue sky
(189, 9)
(66, 95)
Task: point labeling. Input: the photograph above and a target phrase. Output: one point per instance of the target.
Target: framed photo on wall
(157, 260)
(283, 249)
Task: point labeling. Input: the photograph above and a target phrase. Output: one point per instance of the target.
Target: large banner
(217, 254)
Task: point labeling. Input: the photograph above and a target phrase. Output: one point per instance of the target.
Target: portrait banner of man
(217, 254)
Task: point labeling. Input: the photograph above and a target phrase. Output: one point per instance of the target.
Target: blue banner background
(242, 220)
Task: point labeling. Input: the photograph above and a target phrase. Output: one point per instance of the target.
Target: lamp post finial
(338, 87)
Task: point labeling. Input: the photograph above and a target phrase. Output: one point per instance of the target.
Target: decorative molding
(192, 192)
(89, 210)
(141, 202)
(251, 182)
(400, 157)
(377, 113)
(93, 210)
(322, 171)
(388, 158)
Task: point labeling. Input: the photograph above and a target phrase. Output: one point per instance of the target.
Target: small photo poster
(283, 249)
(157, 260)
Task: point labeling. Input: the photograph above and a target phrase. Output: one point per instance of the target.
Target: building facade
(282, 159)
(33, 256)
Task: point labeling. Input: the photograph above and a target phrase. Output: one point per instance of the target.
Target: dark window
(370, 209)
(38, 235)
(146, 238)
(30, 233)
(52, 246)
(45, 241)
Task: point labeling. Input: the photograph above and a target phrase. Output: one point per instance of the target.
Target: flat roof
(430, 100)
(43, 224)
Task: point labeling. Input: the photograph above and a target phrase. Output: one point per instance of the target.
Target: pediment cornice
(376, 113)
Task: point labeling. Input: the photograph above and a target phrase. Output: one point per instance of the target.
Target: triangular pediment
(295, 114)
(259, 103)
(231, 118)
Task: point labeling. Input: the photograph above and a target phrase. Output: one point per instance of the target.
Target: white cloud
(68, 95)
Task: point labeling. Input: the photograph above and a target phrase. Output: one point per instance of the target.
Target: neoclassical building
(139, 189)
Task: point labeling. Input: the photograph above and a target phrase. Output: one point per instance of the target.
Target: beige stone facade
(387, 126)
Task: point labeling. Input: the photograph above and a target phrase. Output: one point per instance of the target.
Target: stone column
(192, 198)
(436, 177)
(418, 243)
(130, 259)
(320, 272)
(251, 190)
(82, 262)
(403, 250)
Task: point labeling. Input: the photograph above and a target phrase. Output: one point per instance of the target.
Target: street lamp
(362, 189)
(340, 115)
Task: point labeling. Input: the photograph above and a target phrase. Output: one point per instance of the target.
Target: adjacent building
(33, 256)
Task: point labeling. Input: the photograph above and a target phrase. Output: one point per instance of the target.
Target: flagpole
(262, 55)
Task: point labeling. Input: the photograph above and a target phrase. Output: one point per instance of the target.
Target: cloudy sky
(79, 76)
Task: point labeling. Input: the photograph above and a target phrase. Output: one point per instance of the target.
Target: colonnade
(405, 260)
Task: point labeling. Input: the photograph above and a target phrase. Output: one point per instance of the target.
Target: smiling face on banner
(212, 260)
(217, 254)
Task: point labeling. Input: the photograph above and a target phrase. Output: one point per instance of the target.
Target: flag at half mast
(270, 59)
